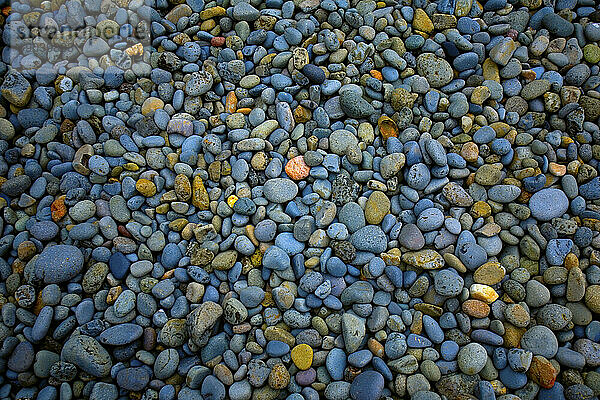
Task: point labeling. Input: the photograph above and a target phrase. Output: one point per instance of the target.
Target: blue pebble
(360, 358)
(511, 379)
(466, 61)
(500, 358)
(395, 275)
(382, 367)
(433, 330)
(485, 391)
(336, 363)
(276, 348)
(417, 341)
(409, 278)
(119, 265)
(449, 350)
(534, 184)
(390, 74)
(468, 26)
(485, 134)
(557, 392)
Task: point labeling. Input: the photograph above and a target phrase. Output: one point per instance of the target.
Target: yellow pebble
(256, 258)
(152, 104)
(565, 141)
(212, 12)
(302, 355)
(146, 187)
(231, 200)
(131, 167)
(571, 261)
(483, 293)
(481, 209)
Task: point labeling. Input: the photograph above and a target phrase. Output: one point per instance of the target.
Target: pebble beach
(300, 199)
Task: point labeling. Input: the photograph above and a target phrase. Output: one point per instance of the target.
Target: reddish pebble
(123, 231)
(217, 41)
(296, 168)
(512, 33)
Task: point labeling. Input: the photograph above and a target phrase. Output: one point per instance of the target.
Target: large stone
(201, 320)
(88, 355)
(353, 331)
(436, 70)
(16, 89)
(59, 263)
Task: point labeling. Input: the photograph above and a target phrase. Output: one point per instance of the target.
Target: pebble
(301, 200)
(367, 385)
(59, 263)
(548, 204)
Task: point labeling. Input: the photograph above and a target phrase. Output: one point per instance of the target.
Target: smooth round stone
(437, 70)
(335, 363)
(119, 265)
(360, 358)
(251, 296)
(411, 237)
(370, 238)
(265, 230)
(548, 204)
(98, 165)
(472, 255)
(433, 329)
(430, 219)
(121, 334)
(557, 25)
(166, 363)
(484, 134)
(305, 378)
(212, 388)
(513, 380)
(277, 348)
(367, 385)
(42, 323)
(418, 176)
(504, 193)
(275, 258)
(354, 105)
(314, 73)
(448, 283)
(472, 358)
(60, 263)
(240, 390)
(44, 230)
(22, 357)
(540, 340)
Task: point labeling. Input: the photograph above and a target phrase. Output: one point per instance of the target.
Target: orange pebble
(231, 102)
(470, 152)
(557, 169)
(58, 209)
(376, 74)
(476, 308)
(244, 111)
(296, 168)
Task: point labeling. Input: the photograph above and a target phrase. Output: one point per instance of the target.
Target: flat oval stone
(121, 334)
(548, 203)
(280, 190)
